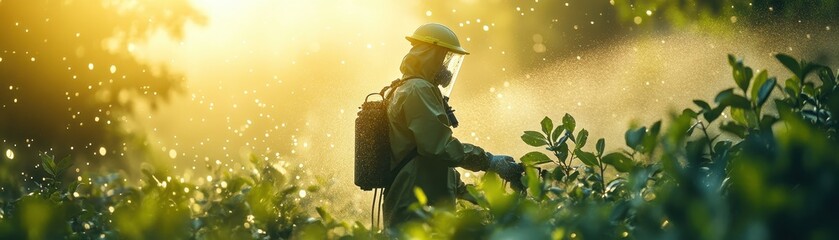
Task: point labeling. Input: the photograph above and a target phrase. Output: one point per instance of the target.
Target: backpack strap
(393, 85)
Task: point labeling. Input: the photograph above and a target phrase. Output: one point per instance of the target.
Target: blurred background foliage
(71, 79)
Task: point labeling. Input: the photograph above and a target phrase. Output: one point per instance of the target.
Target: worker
(425, 152)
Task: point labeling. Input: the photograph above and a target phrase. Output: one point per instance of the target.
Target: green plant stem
(602, 177)
(570, 159)
(705, 131)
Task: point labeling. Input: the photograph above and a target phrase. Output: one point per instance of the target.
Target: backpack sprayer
(373, 155)
(372, 147)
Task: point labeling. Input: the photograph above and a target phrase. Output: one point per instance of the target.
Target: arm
(426, 118)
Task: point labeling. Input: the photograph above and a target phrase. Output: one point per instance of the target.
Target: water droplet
(539, 48)
(113, 69)
(428, 13)
(486, 28)
(733, 19)
(111, 209)
(90, 66)
(302, 193)
(537, 38)
(173, 154)
(638, 20)
(103, 151)
(649, 13)
(10, 154)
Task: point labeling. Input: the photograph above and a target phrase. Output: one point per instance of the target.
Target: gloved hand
(507, 169)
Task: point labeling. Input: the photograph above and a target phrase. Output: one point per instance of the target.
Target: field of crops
(758, 161)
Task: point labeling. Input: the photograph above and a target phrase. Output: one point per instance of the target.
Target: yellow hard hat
(437, 34)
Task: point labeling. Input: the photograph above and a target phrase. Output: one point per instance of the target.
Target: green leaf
(790, 63)
(558, 174)
(742, 75)
(729, 98)
(792, 86)
(568, 122)
(739, 116)
(547, 126)
(582, 137)
(562, 152)
(601, 144)
(587, 157)
(765, 91)
(63, 165)
(49, 164)
(324, 214)
(761, 78)
(482, 201)
(689, 112)
(713, 114)
(734, 128)
(557, 131)
(748, 78)
(702, 104)
(809, 89)
(535, 158)
(533, 182)
(651, 137)
(534, 138)
(634, 137)
(621, 162)
(732, 60)
(421, 198)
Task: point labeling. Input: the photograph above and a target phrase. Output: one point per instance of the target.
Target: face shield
(448, 74)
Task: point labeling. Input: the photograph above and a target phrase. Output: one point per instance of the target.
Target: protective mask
(448, 73)
(443, 77)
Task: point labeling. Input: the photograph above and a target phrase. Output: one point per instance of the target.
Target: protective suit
(418, 122)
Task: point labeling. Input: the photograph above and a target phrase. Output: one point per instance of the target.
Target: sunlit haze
(283, 80)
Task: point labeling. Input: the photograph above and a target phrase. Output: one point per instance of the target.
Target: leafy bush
(266, 201)
(768, 169)
(766, 172)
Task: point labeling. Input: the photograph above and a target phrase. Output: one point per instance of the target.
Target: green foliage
(770, 170)
(763, 172)
(264, 201)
